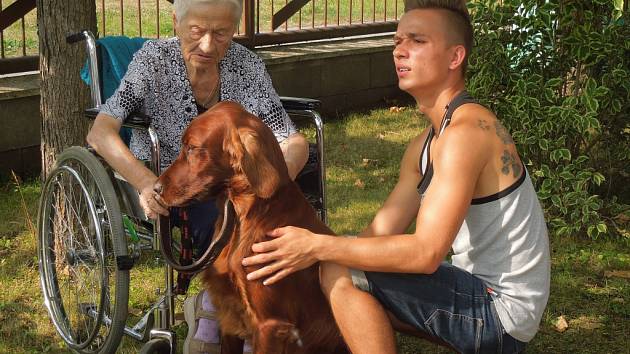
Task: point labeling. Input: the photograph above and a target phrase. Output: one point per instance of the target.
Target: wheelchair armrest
(91, 113)
(300, 104)
(135, 120)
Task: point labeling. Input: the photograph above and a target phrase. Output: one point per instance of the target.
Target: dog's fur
(229, 153)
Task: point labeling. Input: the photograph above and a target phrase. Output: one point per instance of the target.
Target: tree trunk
(64, 96)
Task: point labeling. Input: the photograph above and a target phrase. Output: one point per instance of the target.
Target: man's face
(421, 50)
(206, 33)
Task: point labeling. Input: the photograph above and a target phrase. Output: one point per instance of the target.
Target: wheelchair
(92, 231)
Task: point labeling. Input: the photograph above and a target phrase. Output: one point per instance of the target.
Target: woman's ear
(174, 21)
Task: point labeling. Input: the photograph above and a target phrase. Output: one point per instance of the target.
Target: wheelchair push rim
(75, 257)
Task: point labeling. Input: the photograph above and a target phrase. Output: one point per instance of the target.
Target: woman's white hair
(181, 7)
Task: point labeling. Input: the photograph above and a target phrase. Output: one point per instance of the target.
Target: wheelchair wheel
(80, 242)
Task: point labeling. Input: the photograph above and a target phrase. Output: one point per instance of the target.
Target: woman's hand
(151, 202)
(292, 249)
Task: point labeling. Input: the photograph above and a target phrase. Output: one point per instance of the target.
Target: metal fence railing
(264, 22)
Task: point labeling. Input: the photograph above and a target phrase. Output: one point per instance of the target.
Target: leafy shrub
(557, 74)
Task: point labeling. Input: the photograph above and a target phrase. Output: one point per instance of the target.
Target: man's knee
(334, 279)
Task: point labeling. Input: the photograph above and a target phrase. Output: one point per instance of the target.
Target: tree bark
(64, 96)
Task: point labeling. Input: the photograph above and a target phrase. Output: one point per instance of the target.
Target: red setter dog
(229, 153)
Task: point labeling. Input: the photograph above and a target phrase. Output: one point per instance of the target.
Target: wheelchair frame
(155, 325)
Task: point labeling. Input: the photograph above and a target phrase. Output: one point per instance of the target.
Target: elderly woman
(174, 80)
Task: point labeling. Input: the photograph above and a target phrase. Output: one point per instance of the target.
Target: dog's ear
(249, 155)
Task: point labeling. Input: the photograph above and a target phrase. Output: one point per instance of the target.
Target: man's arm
(295, 151)
(104, 138)
(402, 204)
(457, 167)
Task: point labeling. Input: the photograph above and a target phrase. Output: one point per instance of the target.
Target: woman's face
(205, 34)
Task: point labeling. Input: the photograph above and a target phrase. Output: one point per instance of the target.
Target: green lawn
(590, 285)
(145, 24)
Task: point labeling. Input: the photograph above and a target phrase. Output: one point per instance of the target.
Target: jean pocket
(462, 332)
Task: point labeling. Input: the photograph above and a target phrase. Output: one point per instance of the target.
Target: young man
(465, 186)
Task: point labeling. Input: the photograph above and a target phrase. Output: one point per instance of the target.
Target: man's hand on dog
(291, 250)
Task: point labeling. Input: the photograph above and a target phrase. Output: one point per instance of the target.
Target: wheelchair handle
(90, 44)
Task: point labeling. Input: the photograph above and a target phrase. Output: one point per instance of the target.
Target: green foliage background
(557, 74)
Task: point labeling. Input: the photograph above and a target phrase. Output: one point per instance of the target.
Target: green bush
(557, 74)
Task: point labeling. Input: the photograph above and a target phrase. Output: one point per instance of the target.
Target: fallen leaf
(561, 324)
(381, 179)
(359, 183)
(617, 274)
(380, 136)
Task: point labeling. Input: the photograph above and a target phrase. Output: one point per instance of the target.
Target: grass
(585, 289)
(145, 25)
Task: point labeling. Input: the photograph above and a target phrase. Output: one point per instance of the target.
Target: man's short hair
(458, 20)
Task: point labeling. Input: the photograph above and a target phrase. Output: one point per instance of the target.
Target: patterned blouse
(156, 85)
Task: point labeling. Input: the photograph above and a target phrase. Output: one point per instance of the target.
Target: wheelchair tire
(80, 236)
(156, 346)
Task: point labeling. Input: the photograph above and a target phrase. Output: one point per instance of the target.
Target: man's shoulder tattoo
(483, 124)
(509, 162)
(503, 134)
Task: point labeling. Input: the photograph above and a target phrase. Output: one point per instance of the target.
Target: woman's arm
(295, 151)
(104, 138)
(268, 107)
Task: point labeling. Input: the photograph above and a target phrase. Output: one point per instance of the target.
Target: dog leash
(209, 255)
(185, 254)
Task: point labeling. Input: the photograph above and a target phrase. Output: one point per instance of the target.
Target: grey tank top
(503, 241)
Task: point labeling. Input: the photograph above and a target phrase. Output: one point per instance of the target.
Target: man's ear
(457, 57)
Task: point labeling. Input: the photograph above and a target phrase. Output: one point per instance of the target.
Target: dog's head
(224, 149)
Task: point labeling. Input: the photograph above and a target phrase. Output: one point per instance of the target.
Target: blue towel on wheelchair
(116, 53)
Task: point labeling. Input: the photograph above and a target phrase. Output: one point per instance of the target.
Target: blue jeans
(201, 219)
(450, 304)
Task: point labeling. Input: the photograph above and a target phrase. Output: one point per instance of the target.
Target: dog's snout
(157, 187)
